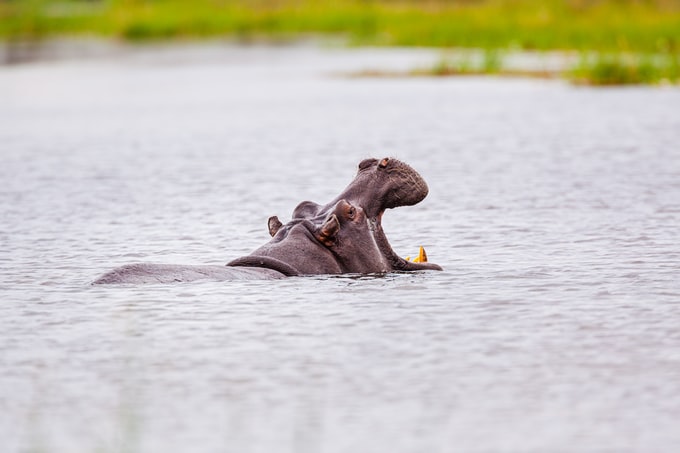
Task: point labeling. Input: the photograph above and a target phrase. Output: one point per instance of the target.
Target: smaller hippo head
(346, 232)
(342, 242)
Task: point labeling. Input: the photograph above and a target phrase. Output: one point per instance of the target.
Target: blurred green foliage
(649, 30)
(594, 68)
(626, 69)
(611, 25)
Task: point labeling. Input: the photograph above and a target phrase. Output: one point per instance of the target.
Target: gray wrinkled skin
(345, 235)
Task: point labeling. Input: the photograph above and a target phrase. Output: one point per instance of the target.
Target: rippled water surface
(555, 211)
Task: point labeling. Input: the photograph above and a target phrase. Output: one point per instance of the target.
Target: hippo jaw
(397, 263)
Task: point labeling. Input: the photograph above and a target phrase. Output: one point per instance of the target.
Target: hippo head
(347, 233)
(378, 185)
(342, 242)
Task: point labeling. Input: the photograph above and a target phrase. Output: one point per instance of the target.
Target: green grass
(464, 64)
(627, 41)
(592, 69)
(626, 69)
(604, 25)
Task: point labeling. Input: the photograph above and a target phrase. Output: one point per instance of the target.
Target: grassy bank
(591, 69)
(604, 25)
(627, 41)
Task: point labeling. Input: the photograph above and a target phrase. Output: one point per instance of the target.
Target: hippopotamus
(343, 236)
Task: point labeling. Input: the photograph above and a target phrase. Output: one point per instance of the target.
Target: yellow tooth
(422, 256)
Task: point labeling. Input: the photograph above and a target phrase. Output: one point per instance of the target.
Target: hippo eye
(351, 212)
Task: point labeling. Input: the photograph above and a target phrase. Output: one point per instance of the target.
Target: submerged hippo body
(343, 236)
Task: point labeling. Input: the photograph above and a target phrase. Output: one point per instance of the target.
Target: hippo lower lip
(397, 262)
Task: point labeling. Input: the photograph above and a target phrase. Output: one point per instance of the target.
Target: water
(553, 209)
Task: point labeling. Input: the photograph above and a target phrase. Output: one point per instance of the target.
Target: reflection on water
(554, 211)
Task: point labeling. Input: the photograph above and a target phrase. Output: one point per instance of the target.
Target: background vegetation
(615, 29)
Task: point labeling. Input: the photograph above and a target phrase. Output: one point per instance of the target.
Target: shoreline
(581, 68)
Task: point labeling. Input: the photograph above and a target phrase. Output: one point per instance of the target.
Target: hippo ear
(328, 232)
(274, 224)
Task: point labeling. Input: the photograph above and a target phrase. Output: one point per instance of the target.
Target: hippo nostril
(366, 163)
(383, 163)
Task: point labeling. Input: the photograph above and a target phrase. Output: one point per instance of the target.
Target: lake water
(554, 209)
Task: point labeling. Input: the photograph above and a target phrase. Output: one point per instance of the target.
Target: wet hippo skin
(342, 236)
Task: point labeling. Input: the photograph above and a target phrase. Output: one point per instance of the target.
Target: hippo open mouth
(378, 185)
(394, 184)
